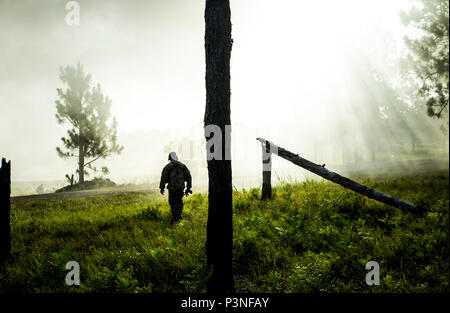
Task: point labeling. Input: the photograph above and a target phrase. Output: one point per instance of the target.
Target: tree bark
(81, 164)
(5, 208)
(219, 242)
(341, 180)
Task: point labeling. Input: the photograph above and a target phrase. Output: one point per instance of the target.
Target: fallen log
(335, 177)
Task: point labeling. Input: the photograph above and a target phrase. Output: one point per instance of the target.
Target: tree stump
(267, 171)
(5, 208)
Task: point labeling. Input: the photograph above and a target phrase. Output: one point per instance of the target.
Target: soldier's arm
(164, 178)
(187, 178)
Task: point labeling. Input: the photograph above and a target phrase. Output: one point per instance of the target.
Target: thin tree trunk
(219, 242)
(5, 208)
(81, 164)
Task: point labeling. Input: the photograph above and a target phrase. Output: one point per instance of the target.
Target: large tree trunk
(219, 242)
(5, 208)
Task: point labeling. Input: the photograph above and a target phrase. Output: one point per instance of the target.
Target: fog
(313, 77)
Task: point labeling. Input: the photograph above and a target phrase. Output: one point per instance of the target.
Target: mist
(319, 79)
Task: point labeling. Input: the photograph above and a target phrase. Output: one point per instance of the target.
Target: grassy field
(311, 237)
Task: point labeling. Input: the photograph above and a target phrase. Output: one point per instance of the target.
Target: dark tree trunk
(219, 242)
(5, 208)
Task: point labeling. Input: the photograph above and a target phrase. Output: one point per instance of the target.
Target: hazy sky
(148, 55)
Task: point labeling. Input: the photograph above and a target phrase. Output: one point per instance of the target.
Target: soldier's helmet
(173, 156)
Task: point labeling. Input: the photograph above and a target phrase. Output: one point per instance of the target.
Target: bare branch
(93, 160)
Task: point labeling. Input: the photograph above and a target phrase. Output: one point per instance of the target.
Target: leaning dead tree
(269, 148)
(5, 208)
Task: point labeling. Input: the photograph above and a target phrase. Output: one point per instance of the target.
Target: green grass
(311, 237)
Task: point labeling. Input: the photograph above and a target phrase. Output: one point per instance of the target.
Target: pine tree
(87, 111)
(429, 55)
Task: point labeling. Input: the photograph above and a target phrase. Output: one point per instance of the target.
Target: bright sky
(282, 49)
(286, 52)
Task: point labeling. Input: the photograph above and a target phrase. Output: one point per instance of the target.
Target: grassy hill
(311, 237)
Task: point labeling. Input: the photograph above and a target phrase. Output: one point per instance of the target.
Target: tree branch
(442, 109)
(93, 160)
(71, 121)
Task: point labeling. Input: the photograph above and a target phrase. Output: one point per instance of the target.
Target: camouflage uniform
(175, 174)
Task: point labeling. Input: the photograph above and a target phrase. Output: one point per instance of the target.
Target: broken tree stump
(267, 172)
(5, 208)
(338, 179)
